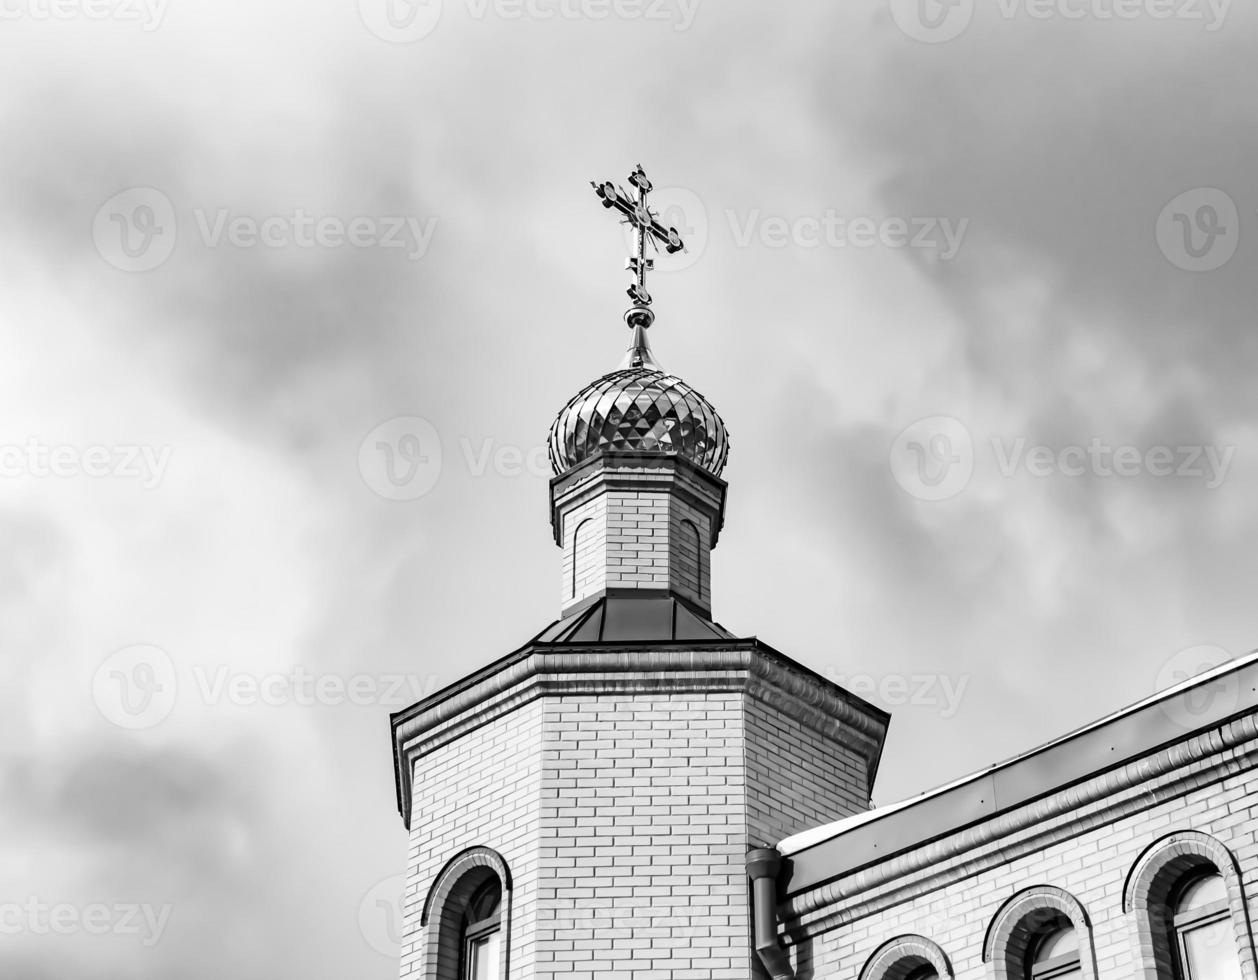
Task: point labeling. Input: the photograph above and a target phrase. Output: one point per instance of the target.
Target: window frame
(907, 957)
(1181, 923)
(1017, 927)
(1154, 884)
(476, 932)
(1058, 966)
(450, 906)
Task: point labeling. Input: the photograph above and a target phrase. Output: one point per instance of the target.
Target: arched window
(481, 933)
(1041, 933)
(1202, 927)
(689, 560)
(907, 958)
(1054, 952)
(1188, 904)
(582, 539)
(466, 920)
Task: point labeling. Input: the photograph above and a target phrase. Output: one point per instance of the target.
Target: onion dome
(639, 408)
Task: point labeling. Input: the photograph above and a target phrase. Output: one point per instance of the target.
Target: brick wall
(585, 545)
(797, 778)
(624, 798)
(690, 557)
(481, 790)
(1091, 864)
(634, 540)
(637, 505)
(643, 839)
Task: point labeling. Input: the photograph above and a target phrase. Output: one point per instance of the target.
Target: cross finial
(647, 230)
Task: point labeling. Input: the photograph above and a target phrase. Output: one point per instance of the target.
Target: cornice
(1165, 774)
(731, 666)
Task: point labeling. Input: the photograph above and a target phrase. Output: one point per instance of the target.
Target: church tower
(585, 806)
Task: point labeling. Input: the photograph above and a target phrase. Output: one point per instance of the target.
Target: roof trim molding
(1231, 689)
(1162, 774)
(738, 666)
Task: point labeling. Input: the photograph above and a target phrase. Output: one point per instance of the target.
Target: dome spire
(639, 354)
(647, 231)
(637, 500)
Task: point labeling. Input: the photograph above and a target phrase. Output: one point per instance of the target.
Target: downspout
(763, 865)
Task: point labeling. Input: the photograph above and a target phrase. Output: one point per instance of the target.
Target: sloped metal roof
(626, 619)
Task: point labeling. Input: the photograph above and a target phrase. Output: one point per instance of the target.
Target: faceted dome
(639, 409)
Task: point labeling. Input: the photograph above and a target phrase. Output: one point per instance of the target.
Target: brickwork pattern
(797, 778)
(480, 790)
(584, 570)
(630, 539)
(643, 839)
(625, 817)
(690, 558)
(1091, 866)
(638, 505)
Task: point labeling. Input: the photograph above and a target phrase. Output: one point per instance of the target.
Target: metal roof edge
(1138, 740)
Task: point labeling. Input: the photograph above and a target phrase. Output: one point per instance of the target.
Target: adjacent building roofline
(1167, 717)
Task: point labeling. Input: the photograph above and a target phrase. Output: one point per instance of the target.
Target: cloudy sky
(972, 286)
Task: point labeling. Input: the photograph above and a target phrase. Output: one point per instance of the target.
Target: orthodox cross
(647, 230)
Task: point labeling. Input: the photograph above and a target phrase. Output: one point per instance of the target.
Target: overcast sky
(247, 244)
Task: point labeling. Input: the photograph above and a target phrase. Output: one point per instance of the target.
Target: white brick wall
(631, 539)
(797, 778)
(625, 814)
(483, 789)
(635, 508)
(643, 839)
(1092, 866)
